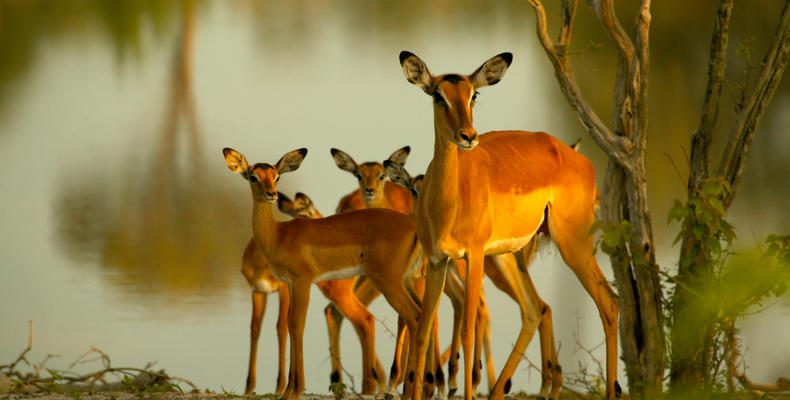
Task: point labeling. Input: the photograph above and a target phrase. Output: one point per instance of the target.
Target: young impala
(505, 273)
(259, 276)
(373, 192)
(489, 194)
(379, 243)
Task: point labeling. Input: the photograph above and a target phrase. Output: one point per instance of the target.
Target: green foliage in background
(724, 285)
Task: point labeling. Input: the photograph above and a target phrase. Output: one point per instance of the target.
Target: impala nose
(469, 139)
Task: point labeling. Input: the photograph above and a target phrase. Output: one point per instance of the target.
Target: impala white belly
(507, 245)
(344, 273)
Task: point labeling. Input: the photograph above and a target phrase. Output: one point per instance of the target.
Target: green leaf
(677, 212)
(717, 205)
(611, 237)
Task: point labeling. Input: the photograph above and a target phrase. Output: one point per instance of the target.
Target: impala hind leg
(400, 300)
(366, 293)
(258, 308)
(455, 292)
(486, 319)
(570, 229)
(399, 358)
(340, 292)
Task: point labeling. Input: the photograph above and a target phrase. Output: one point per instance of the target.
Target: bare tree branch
(615, 146)
(717, 65)
(639, 78)
(736, 153)
(604, 11)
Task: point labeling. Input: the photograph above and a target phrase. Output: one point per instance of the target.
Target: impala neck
(444, 168)
(265, 228)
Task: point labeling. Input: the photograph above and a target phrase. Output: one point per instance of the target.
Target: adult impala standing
(489, 194)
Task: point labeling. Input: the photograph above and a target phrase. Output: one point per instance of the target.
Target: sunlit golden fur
(484, 189)
(299, 251)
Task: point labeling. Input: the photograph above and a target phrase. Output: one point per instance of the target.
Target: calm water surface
(122, 228)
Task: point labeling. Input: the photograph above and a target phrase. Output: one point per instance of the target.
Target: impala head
(398, 174)
(454, 95)
(263, 177)
(300, 207)
(370, 174)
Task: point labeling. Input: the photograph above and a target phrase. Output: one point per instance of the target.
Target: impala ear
(415, 71)
(291, 161)
(304, 205)
(400, 155)
(491, 71)
(286, 205)
(344, 161)
(397, 173)
(236, 161)
(576, 145)
(416, 185)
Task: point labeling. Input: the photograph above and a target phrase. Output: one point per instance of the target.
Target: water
(122, 228)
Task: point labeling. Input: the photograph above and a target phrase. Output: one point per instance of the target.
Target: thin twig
(386, 328)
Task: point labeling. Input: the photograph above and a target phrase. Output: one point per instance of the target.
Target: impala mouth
(267, 198)
(466, 146)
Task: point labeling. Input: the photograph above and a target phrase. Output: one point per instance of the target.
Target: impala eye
(474, 96)
(278, 179)
(359, 177)
(381, 177)
(253, 178)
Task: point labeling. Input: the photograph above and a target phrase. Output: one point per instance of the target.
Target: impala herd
(479, 209)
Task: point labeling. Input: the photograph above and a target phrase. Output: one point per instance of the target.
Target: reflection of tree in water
(173, 233)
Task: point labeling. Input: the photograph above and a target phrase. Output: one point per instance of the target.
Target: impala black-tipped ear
(400, 155)
(397, 173)
(291, 160)
(344, 161)
(492, 71)
(304, 205)
(235, 161)
(415, 70)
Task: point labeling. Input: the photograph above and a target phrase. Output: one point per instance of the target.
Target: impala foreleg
(258, 308)
(282, 336)
(474, 283)
(434, 285)
(297, 314)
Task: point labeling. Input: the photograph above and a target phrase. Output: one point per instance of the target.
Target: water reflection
(170, 231)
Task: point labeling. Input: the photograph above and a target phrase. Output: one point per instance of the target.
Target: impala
(379, 243)
(504, 272)
(373, 192)
(256, 270)
(490, 194)
(259, 276)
